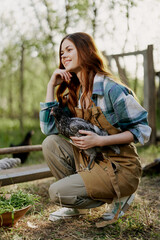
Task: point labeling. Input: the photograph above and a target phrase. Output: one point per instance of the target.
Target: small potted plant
(14, 206)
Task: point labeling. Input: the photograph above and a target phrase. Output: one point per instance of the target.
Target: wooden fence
(23, 174)
(34, 172)
(149, 84)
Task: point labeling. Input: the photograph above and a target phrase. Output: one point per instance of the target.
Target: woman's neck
(80, 76)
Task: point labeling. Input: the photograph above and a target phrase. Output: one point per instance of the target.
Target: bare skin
(57, 78)
(92, 139)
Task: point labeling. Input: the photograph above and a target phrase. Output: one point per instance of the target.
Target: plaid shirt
(118, 105)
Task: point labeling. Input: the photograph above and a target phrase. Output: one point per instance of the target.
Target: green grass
(16, 201)
(141, 222)
(148, 153)
(10, 133)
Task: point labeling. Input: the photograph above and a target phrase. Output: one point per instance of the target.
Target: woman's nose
(64, 55)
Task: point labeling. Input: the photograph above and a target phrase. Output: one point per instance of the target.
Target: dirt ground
(142, 221)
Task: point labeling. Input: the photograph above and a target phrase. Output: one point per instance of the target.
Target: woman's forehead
(67, 43)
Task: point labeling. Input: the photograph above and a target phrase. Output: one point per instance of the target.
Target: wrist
(51, 84)
(100, 141)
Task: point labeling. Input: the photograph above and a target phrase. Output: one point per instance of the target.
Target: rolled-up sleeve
(130, 115)
(47, 122)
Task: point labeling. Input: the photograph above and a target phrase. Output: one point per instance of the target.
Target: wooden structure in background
(23, 174)
(149, 84)
(34, 172)
(20, 149)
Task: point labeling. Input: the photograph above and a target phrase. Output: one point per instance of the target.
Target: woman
(88, 90)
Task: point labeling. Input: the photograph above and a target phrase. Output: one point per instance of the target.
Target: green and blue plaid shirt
(118, 105)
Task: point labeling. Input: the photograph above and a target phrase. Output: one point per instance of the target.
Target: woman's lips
(66, 62)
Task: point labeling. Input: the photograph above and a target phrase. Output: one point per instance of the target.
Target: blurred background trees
(30, 34)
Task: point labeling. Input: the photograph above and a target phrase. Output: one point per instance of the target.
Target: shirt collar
(98, 85)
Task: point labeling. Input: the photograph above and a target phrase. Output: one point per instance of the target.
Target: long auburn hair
(91, 62)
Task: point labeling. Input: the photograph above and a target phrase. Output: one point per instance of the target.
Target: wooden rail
(23, 174)
(20, 149)
(149, 84)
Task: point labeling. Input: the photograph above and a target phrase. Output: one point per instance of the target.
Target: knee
(54, 193)
(49, 143)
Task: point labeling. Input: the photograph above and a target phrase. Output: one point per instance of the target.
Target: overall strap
(102, 122)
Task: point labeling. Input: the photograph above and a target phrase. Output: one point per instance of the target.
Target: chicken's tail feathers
(115, 148)
(12, 145)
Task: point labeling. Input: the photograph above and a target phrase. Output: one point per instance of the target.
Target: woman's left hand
(88, 141)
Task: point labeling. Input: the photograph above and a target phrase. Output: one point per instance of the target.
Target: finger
(70, 74)
(77, 138)
(85, 132)
(62, 75)
(67, 77)
(78, 143)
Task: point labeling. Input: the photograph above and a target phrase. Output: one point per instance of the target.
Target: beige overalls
(118, 174)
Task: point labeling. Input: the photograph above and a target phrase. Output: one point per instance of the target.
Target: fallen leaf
(30, 225)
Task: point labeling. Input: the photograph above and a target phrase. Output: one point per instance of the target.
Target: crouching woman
(85, 88)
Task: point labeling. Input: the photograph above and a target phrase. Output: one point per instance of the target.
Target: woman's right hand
(58, 76)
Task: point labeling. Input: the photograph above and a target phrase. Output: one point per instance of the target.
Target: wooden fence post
(149, 90)
(149, 85)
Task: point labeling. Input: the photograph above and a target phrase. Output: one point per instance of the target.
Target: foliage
(17, 200)
(42, 32)
(140, 222)
(10, 133)
(149, 153)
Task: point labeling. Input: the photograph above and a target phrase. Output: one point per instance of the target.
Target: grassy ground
(142, 221)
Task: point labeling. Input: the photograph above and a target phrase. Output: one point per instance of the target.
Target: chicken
(26, 141)
(68, 127)
(6, 163)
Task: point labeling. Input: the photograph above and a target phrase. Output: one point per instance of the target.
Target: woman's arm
(127, 114)
(57, 78)
(120, 138)
(92, 139)
(47, 122)
(50, 92)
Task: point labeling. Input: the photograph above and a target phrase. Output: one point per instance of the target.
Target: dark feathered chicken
(70, 127)
(26, 141)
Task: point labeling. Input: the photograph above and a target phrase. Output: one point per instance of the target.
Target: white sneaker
(65, 213)
(125, 203)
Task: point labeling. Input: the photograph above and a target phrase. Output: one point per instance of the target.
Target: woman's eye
(69, 49)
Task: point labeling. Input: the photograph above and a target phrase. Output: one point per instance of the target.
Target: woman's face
(69, 56)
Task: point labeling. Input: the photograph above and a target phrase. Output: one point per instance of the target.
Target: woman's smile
(66, 62)
(69, 56)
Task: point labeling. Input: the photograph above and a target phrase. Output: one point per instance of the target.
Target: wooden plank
(20, 149)
(150, 91)
(125, 54)
(24, 174)
(149, 84)
(152, 168)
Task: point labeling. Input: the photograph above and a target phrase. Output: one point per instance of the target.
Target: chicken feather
(68, 127)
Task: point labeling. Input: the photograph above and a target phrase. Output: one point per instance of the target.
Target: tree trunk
(94, 8)
(121, 71)
(66, 24)
(21, 103)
